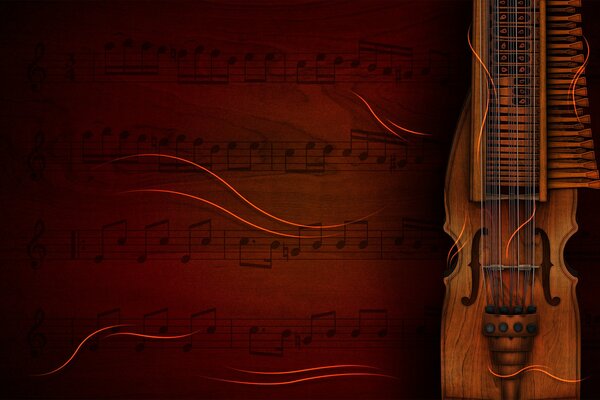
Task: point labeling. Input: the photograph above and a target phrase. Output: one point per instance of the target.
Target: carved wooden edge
(463, 121)
(565, 269)
(543, 186)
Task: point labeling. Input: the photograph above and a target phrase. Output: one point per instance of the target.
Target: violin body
(468, 357)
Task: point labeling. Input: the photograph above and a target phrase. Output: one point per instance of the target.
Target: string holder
(510, 340)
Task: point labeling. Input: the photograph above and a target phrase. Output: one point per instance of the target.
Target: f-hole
(475, 268)
(545, 267)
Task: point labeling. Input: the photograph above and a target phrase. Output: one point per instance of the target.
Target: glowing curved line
(312, 378)
(152, 336)
(578, 74)
(408, 130)
(379, 119)
(519, 228)
(448, 259)
(481, 61)
(241, 196)
(79, 347)
(456, 253)
(298, 371)
(487, 104)
(223, 209)
(535, 368)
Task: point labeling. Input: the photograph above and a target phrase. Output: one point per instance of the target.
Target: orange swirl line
(79, 347)
(223, 209)
(241, 196)
(538, 368)
(298, 371)
(457, 253)
(312, 378)
(448, 259)
(520, 227)
(408, 130)
(578, 74)
(491, 81)
(152, 336)
(379, 119)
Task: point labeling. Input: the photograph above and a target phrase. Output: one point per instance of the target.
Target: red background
(66, 101)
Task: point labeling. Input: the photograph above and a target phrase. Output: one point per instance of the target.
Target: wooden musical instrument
(510, 325)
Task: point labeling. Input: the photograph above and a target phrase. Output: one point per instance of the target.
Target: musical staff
(161, 241)
(368, 151)
(129, 60)
(257, 336)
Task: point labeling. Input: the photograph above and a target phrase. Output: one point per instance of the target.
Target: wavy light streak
(88, 337)
(298, 371)
(379, 119)
(462, 231)
(237, 193)
(573, 84)
(409, 130)
(528, 220)
(226, 211)
(539, 368)
(159, 337)
(312, 378)
(491, 81)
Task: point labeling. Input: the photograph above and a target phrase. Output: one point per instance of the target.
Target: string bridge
(519, 268)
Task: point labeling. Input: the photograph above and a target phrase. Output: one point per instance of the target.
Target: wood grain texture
(464, 350)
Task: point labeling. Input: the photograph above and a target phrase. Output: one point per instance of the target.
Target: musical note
(203, 226)
(35, 339)
(245, 261)
(238, 159)
(162, 329)
(36, 161)
(211, 327)
(363, 239)
(264, 349)
(330, 322)
(130, 62)
(367, 324)
(317, 242)
(119, 227)
(35, 250)
(36, 75)
(420, 232)
(162, 227)
(386, 58)
(444, 64)
(101, 317)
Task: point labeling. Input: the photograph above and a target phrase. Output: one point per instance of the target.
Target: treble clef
(35, 250)
(36, 74)
(36, 161)
(36, 339)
